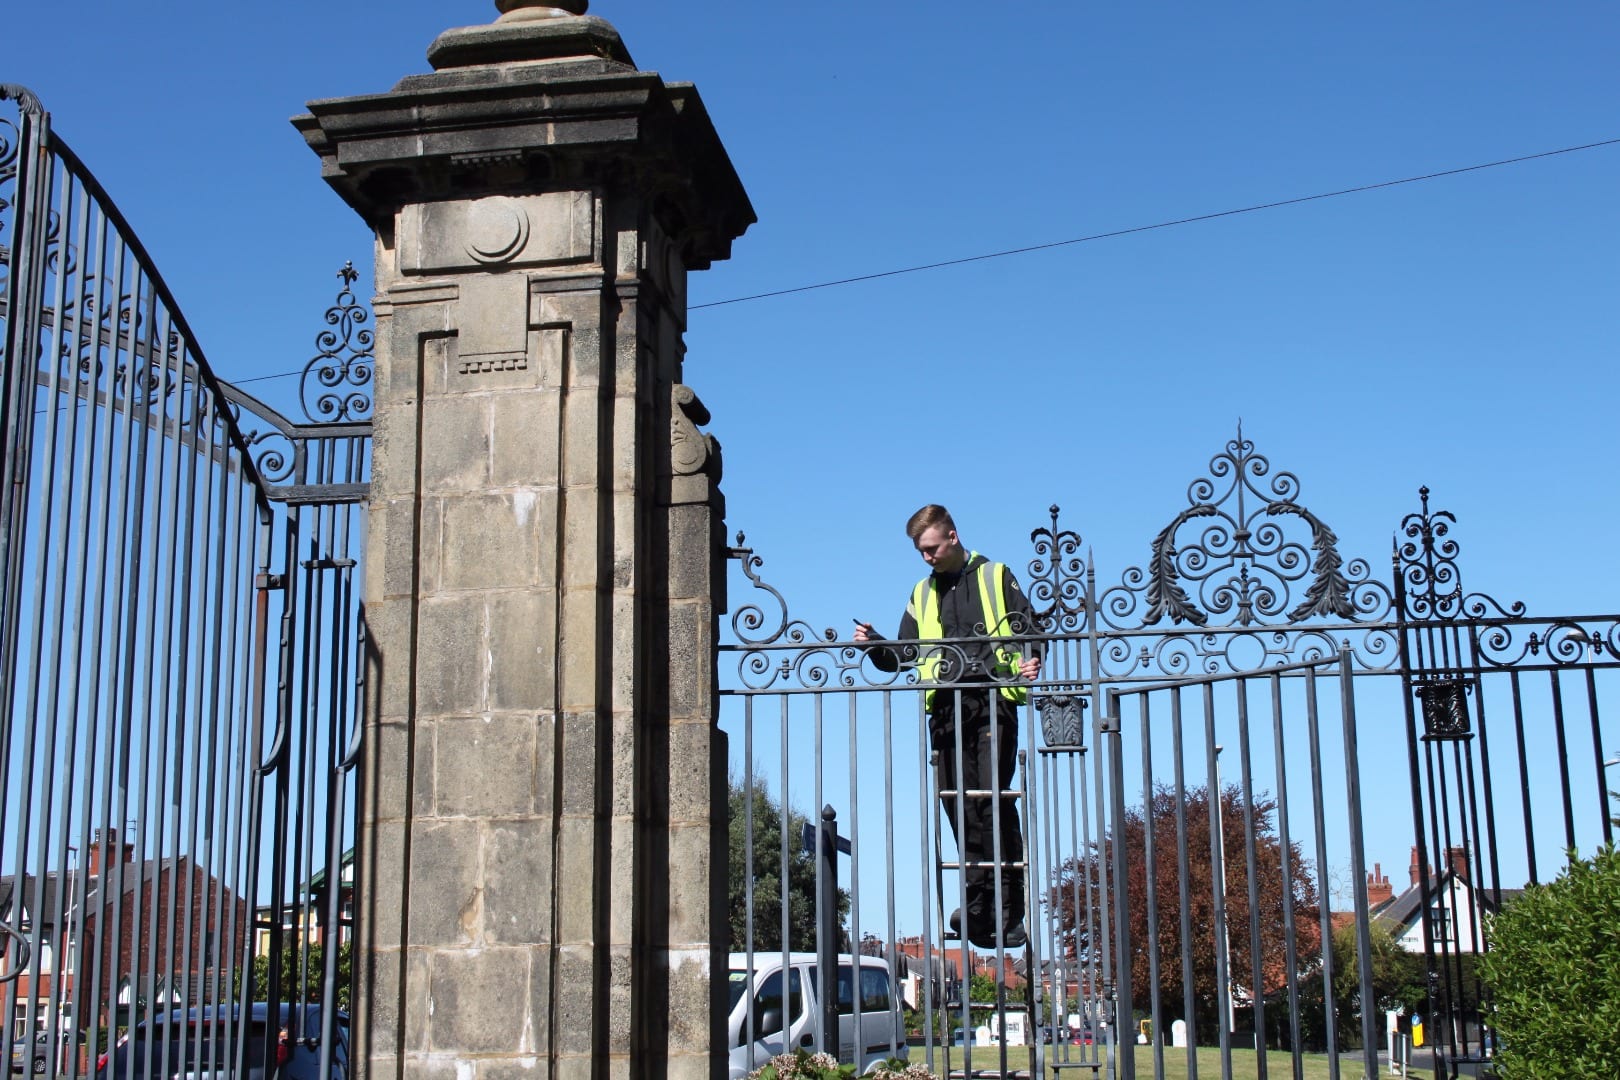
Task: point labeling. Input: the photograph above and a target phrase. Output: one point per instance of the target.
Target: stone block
(452, 655)
(484, 766)
(418, 1001)
(690, 885)
(581, 654)
(689, 553)
(586, 446)
(522, 651)
(518, 1068)
(430, 545)
(540, 982)
(623, 858)
(384, 895)
(393, 762)
(624, 796)
(446, 883)
(497, 231)
(477, 1007)
(552, 343)
(431, 1068)
(493, 541)
(392, 547)
(625, 453)
(691, 998)
(388, 650)
(582, 538)
(576, 1008)
(517, 882)
(457, 449)
(580, 880)
(695, 1065)
(585, 353)
(691, 772)
(525, 440)
(620, 1033)
(579, 763)
(688, 660)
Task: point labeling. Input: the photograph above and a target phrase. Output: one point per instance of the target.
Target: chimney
(1379, 890)
(1457, 861)
(106, 838)
(1415, 874)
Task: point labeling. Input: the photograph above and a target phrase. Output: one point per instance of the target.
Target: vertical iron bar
(1151, 873)
(1313, 729)
(1358, 867)
(1189, 990)
(1217, 861)
(1285, 848)
(1257, 985)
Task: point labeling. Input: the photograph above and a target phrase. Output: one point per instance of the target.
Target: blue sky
(1459, 332)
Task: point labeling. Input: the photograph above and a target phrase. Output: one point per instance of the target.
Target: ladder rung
(990, 865)
(983, 793)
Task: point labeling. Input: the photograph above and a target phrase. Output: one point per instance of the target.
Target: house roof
(1406, 909)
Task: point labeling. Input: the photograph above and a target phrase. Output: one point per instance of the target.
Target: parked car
(201, 1043)
(784, 1022)
(32, 1055)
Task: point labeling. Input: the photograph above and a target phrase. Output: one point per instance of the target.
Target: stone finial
(526, 10)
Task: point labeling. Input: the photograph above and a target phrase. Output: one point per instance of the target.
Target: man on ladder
(973, 678)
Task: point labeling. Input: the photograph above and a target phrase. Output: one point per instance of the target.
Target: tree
(1076, 936)
(768, 873)
(314, 973)
(1554, 972)
(1398, 981)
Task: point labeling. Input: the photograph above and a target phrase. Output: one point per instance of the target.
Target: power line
(1160, 225)
(1115, 233)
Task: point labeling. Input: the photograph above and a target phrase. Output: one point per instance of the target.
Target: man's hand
(864, 631)
(1030, 668)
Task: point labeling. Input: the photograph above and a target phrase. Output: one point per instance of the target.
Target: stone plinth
(543, 835)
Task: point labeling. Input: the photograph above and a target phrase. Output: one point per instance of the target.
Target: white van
(783, 1023)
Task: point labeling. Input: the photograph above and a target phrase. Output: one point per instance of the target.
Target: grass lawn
(1245, 1063)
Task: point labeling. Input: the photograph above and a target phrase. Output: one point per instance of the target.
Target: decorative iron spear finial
(526, 10)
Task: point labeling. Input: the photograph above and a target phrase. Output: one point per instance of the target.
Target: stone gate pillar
(543, 832)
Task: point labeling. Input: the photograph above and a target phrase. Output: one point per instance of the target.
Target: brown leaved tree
(1276, 893)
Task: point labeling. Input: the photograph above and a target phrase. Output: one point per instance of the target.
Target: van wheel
(39, 1066)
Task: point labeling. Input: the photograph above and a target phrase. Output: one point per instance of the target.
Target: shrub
(801, 1065)
(1554, 972)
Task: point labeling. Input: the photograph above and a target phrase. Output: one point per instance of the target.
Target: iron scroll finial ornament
(337, 382)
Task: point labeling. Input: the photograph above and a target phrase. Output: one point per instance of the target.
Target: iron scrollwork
(335, 395)
(337, 382)
(1242, 565)
(1057, 591)
(1427, 566)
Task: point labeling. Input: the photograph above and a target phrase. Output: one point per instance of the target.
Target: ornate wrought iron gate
(1174, 900)
(179, 657)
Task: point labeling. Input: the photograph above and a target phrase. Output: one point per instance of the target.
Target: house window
(1440, 920)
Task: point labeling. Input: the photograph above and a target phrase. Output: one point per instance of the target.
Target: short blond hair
(926, 518)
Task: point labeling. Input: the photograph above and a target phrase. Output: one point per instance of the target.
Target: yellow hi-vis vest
(992, 604)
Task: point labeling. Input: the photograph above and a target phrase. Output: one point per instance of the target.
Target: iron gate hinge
(269, 581)
(1108, 725)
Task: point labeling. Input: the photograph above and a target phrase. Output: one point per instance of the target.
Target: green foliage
(312, 976)
(767, 875)
(1398, 980)
(1554, 972)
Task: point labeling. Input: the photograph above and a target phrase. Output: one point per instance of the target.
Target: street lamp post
(1226, 942)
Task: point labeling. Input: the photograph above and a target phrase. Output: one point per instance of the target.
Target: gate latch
(269, 582)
